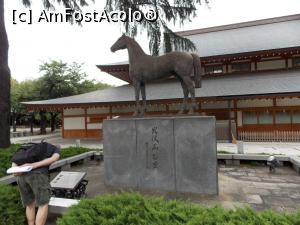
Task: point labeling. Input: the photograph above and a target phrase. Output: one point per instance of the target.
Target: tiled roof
(228, 85)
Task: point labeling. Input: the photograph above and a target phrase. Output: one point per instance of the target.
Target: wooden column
(229, 120)
(200, 107)
(274, 112)
(235, 117)
(110, 111)
(85, 122)
(167, 109)
(62, 123)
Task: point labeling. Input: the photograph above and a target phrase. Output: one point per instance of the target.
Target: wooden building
(251, 83)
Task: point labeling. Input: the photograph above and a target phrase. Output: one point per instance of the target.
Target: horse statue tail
(197, 70)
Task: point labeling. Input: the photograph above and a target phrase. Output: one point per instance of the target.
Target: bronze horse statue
(144, 68)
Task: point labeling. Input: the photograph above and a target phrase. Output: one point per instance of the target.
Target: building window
(283, 117)
(296, 117)
(241, 67)
(249, 118)
(214, 69)
(265, 118)
(296, 62)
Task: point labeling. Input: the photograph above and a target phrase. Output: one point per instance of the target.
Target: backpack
(30, 153)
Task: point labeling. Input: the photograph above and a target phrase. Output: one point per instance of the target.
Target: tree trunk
(31, 123)
(53, 121)
(14, 121)
(4, 83)
(43, 122)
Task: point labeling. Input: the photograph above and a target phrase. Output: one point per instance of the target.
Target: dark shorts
(34, 187)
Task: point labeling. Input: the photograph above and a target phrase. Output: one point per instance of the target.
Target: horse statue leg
(137, 88)
(143, 92)
(190, 86)
(183, 107)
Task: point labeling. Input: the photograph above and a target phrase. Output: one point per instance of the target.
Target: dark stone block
(196, 155)
(163, 154)
(120, 162)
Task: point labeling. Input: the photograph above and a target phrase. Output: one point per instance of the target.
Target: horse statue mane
(144, 68)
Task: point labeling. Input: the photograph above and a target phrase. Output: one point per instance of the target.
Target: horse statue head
(121, 43)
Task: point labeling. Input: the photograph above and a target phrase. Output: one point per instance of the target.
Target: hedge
(134, 209)
(11, 209)
(5, 157)
(7, 153)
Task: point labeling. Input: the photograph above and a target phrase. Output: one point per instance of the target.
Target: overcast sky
(31, 45)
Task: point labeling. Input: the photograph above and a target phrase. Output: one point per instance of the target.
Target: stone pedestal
(176, 154)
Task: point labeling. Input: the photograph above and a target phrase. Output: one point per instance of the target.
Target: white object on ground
(63, 202)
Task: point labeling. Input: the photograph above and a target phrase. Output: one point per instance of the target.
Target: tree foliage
(58, 79)
(5, 76)
(158, 32)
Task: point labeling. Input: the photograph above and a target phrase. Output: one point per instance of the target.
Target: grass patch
(224, 152)
(11, 210)
(7, 153)
(71, 151)
(135, 209)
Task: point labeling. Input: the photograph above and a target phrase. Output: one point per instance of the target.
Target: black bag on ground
(30, 153)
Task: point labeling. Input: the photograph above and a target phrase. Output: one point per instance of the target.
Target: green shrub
(134, 209)
(5, 157)
(11, 210)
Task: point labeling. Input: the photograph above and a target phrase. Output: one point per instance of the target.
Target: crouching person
(34, 186)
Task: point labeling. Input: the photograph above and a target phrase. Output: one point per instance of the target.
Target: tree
(60, 79)
(168, 11)
(15, 101)
(28, 90)
(175, 11)
(4, 68)
(4, 83)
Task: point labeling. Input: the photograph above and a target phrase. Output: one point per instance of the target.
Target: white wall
(75, 111)
(288, 102)
(269, 65)
(174, 107)
(98, 110)
(255, 103)
(215, 105)
(94, 126)
(126, 109)
(156, 108)
(74, 123)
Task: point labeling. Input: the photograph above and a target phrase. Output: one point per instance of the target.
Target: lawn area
(7, 153)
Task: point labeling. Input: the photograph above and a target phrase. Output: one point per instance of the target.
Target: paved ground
(285, 148)
(238, 187)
